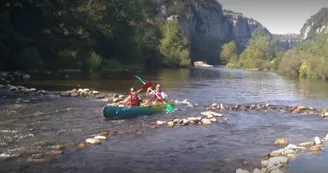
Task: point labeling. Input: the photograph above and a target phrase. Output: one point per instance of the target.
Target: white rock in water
(282, 160)
(317, 140)
(95, 92)
(277, 171)
(100, 137)
(257, 170)
(211, 114)
(170, 123)
(26, 76)
(32, 89)
(160, 122)
(241, 171)
(93, 141)
(192, 118)
(185, 121)
(206, 121)
(288, 151)
(213, 119)
(291, 146)
(264, 163)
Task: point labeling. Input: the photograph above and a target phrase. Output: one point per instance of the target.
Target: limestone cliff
(207, 26)
(286, 41)
(242, 28)
(315, 24)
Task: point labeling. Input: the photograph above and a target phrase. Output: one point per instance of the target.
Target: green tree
(258, 54)
(229, 53)
(172, 47)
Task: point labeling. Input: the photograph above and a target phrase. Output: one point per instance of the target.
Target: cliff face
(243, 27)
(315, 24)
(207, 27)
(286, 41)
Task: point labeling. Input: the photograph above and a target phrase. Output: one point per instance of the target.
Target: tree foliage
(259, 52)
(308, 59)
(84, 34)
(172, 46)
(229, 53)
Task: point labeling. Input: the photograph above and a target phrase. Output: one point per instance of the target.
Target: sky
(278, 16)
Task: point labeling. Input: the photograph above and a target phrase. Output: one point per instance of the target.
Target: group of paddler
(158, 96)
(134, 99)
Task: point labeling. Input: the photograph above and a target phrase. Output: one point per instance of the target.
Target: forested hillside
(87, 34)
(308, 59)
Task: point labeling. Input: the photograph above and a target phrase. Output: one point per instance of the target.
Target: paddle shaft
(157, 95)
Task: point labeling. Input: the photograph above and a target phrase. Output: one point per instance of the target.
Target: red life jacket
(154, 97)
(134, 99)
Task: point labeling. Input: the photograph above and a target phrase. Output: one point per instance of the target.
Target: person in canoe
(133, 99)
(157, 95)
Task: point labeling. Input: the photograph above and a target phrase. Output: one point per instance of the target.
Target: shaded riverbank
(240, 141)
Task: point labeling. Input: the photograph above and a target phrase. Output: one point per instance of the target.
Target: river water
(239, 141)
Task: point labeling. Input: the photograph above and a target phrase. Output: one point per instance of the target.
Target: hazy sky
(278, 16)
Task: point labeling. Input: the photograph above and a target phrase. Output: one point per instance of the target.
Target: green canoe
(116, 112)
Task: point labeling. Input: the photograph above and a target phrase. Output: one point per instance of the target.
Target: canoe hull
(113, 112)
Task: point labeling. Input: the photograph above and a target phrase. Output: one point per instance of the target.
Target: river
(238, 142)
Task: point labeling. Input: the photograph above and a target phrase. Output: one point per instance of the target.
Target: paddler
(133, 99)
(157, 95)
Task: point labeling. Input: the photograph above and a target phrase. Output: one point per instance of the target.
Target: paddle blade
(140, 79)
(146, 86)
(169, 108)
